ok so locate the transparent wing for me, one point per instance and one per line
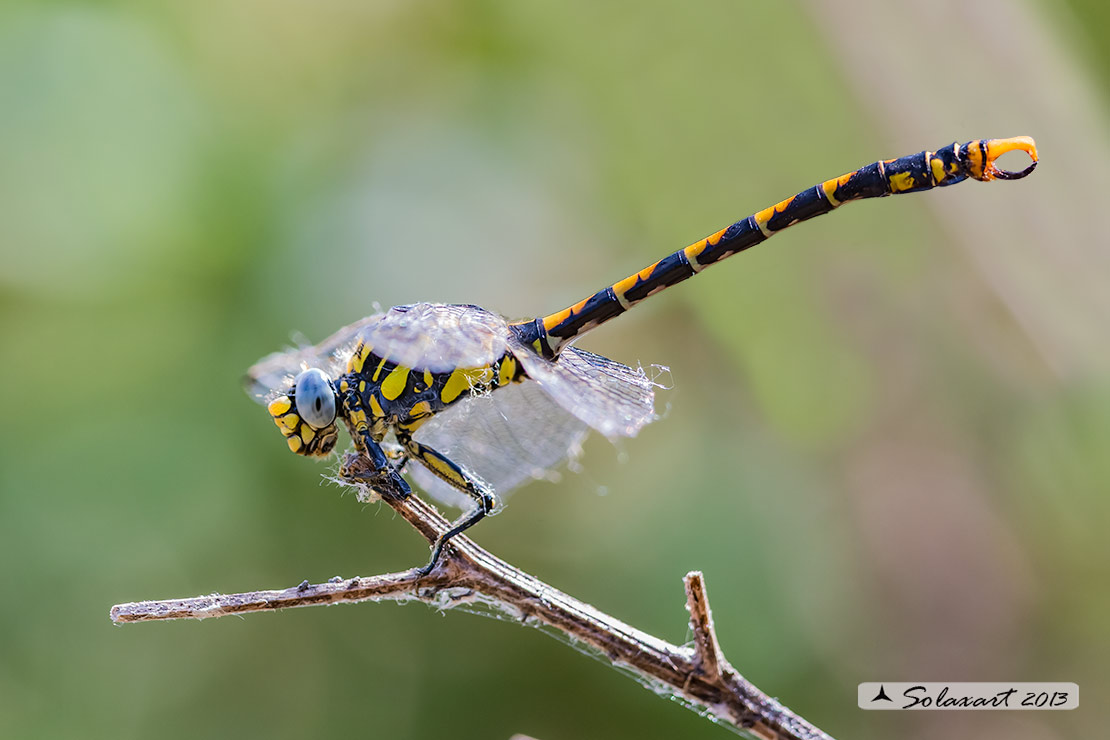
(277, 370)
(612, 398)
(422, 336)
(437, 336)
(507, 438)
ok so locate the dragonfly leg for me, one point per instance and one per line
(397, 455)
(382, 471)
(384, 468)
(455, 475)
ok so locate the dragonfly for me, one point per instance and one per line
(482, 404)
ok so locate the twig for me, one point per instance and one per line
(707, 652)
(468, 574)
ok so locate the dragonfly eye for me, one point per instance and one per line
(315, 398)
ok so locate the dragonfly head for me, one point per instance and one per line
(306, 413)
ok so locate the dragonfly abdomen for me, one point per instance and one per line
(921, 171)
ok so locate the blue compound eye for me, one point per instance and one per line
(315, 398)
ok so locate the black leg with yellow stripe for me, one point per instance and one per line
(383, 471)
(921, 171)
(456, 476)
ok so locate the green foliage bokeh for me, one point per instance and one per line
(888, 457)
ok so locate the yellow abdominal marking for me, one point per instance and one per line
(394, 384)
(507, 371)
(694, 250)
(763, 217)
(463, 380)
(831, 186)
(378, 369)
(632, 281)
(354, 365)
(900, 182)
(975, 160)
(937, 165)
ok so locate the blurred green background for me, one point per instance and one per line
(887, 441)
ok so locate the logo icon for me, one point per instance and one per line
(881, 696)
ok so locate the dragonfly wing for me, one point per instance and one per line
(438, 337)
(612, 398)
(507, 437)
(421, 336)
(277, 370)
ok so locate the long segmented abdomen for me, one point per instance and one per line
(921, 171)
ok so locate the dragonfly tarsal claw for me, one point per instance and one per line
(357, 468)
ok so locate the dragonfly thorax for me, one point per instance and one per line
(389, 394)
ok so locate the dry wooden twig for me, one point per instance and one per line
(467, 574)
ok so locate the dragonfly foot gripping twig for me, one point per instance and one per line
(468, 574)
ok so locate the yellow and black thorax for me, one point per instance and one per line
(382, 394)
